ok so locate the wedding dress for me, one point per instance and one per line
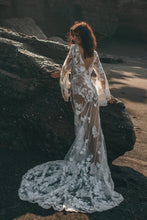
(82, 181)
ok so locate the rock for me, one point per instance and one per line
(26, 26)
(125, 19)
(34, 116)
(107, 58)
(42, 47)
(118, 129)
(58, 39)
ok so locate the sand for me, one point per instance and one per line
(128, 82)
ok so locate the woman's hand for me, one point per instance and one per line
(111, 100)
(56, 74)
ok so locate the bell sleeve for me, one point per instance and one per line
(100, 82)
(64, 76)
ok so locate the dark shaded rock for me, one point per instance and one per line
(111, 59)
(33, 113)
(118, 129)
(131, 15)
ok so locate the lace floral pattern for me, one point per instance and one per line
(82, 181)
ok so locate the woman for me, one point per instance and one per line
(82, 181)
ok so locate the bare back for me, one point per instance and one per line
(87, 61)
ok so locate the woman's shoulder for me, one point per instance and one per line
(72, 45)
(96, 53)
(72, 48)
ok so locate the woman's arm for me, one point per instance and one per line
(101, 83)
(64, 75)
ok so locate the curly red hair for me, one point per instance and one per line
(86, 34)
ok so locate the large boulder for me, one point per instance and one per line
(33, 113)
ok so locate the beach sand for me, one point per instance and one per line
(128, 82)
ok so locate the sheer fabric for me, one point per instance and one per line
(82, 181)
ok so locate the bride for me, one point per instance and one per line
(82, 181)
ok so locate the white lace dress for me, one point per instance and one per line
(82, 181)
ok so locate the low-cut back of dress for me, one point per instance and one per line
(82, 181)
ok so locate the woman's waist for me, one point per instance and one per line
(81, 79)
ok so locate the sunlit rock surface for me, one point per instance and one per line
(24, 25)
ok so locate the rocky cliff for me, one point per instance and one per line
(124, 19)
